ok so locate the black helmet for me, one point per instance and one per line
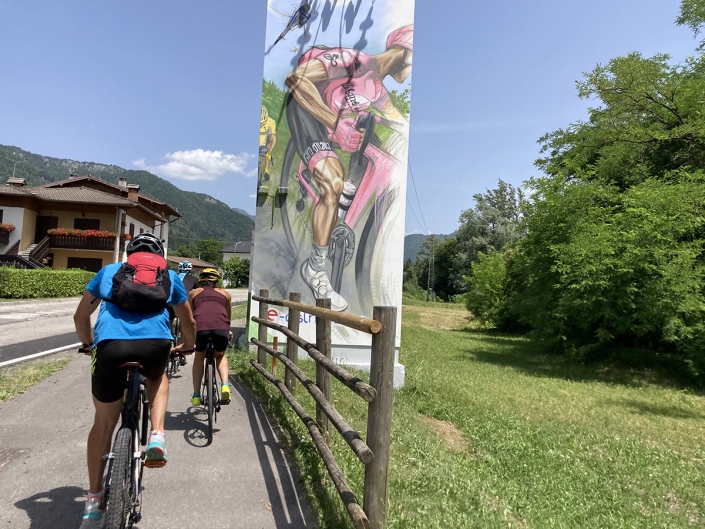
(145, 242)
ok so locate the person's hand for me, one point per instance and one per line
(184, 349)
(346, 135)
(86, 349)
(231, 336)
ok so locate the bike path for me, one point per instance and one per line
(241, 481)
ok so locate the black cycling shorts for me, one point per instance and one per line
(108, 380)
(220, 340)
(307, 133)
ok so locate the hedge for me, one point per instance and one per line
(42, 283)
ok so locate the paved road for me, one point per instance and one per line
(241, 481)
(32, 326)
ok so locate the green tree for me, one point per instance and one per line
(209, 250)
(236, 272)
(184, 250)
(486, 298)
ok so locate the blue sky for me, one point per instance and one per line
(174, 86)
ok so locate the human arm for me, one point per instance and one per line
(188, 328)
(82, 320)
(302, 84)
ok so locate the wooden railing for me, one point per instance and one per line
(374, 453)
(41, 250)
(84, 243)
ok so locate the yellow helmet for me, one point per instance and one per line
(264, 115)
(208, 275)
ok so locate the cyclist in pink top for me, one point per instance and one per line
(329, 88)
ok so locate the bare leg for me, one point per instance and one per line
(328, 175)
(158, 395)
(221, 362)
(197, 371)
(106, 417)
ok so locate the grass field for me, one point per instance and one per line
(18, 379)
(490, 432)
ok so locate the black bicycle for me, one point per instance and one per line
(175, 359)
(123, 482)
(210, 393)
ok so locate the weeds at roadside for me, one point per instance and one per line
(17, 379)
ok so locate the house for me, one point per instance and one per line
(82, 222)
(243, 250)
(198, 265)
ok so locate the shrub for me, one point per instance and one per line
(7, 227)
(486, 296)
(18, 284)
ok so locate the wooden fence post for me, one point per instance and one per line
(322, 374)
(262, 330)
(292, 350)
(379, 417)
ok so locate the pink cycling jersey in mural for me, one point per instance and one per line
(353, 82)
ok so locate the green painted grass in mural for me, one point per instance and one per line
(490, 432)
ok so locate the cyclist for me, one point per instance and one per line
(329, 89)
(121, 336)
(185, 271)
(267, 140)
(189, 281)
(212, 308)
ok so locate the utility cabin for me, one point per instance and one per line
(81, 222)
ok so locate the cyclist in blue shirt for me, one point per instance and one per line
(120, 336)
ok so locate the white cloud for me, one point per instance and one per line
(199, 165)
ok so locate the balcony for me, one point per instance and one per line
(73, 242)
(83, 240)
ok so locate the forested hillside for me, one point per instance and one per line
(203, 215)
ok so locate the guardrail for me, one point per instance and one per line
(374, 452)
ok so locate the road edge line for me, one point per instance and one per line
(37, 355)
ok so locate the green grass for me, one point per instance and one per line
(239, 311)
(15, 380)
(490, 432)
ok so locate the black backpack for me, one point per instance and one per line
(142, 284)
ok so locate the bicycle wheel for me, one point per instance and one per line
(119, 501)
(209, 389)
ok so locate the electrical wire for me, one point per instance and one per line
(417, 198)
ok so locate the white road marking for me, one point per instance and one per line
(37, 355)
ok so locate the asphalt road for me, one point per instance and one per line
(32, 326)
(241, 481)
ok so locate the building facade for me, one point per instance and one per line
(82, 222)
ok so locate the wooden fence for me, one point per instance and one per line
(374, 453)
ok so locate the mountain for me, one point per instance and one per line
(244, 213)
(412, 244)
(202, 215)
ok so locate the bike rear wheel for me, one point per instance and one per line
(119, 498)
(210, 404)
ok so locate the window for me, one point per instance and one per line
(85, 263)
(86, 224)
(141, 231)
(0, 216)
(132, 230)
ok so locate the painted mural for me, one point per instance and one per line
(333, 141)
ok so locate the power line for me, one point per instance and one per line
(413, 180)
(412, 210)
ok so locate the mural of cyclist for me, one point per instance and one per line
(330, 90)
(267, 140)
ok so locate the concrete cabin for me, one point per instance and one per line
(80, 203)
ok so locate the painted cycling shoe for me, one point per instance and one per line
(318, 282)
